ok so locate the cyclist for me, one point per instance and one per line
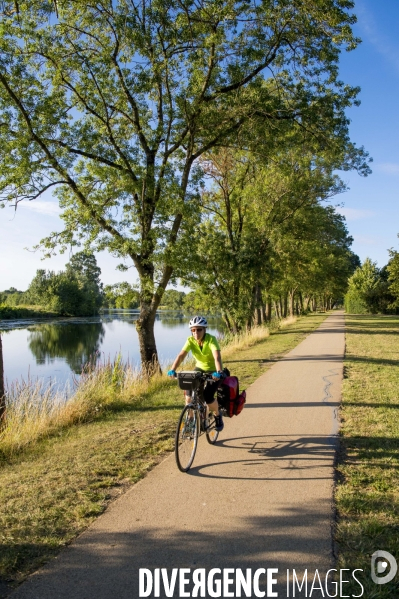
(206, 352)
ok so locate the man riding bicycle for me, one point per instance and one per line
(206, 352)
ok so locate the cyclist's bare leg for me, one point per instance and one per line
(214, 407)
(187, 397)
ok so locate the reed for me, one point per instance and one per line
(35, 410)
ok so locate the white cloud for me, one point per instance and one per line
(354, 213)
(49, 208)
(392, 168)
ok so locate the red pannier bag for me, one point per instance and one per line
(229, 396)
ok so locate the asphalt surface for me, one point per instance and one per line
(260, 499)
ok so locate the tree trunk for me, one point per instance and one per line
(291, 303)
(257, 301)
(145, 331)
(301, 302)
(276, 309)
(264, 313)
(285, 305)
(268, 310)
(226, 321)
(231, 323)
(2, 390)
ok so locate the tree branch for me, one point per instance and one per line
(100, 220)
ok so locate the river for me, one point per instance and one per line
(57, 350)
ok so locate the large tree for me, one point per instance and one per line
(112, 103)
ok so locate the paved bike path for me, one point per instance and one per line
(260, 498)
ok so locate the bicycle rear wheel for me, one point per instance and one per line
(211, 432)
(186, 439)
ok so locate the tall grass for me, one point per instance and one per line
(35, 410)
(232, 343)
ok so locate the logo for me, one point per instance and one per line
(379, 564)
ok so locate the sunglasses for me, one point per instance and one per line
(196, 330)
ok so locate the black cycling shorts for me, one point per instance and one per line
(210, 388)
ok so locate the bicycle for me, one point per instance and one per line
(194, 419)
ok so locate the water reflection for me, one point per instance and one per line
(77, 344)
(57, 350)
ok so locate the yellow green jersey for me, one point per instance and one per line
(203, 356)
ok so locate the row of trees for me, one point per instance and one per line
(125, 108)
(265, 240)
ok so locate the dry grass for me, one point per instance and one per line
(249, 338)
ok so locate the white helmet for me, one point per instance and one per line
(197, 321)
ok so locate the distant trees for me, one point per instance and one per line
(77, 291)
(13, 297)
(121, 295)
(173, 299)
(391, 273)
(372, 289)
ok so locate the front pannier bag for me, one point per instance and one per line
(229, 396)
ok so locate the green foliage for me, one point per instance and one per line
(197, 302)
(372, 290)
(121, 295)
(392, 269)
(264, 229)
(354, 303)
(112, 105)
(83, 268)
(75, 292)
(173, 299)
(11, 312)
(13, 297)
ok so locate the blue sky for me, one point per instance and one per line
(371, 205)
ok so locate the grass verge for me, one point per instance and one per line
(51, 489)
(367, 493)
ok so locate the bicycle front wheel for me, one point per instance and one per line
(211, 432)
(186, 439)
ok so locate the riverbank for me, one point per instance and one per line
(22, 312)
(53, 488)
(367, 493)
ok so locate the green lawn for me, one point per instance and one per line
(53, 489)
(367, 494)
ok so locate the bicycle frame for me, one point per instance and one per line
(194, 420)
